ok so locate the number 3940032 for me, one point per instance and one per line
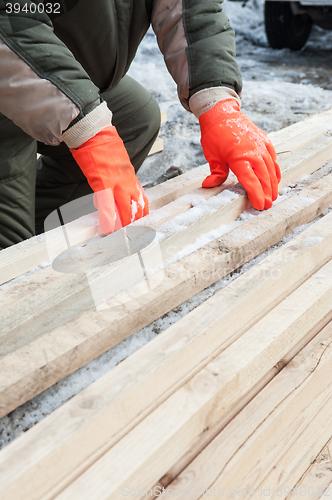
(32, 8)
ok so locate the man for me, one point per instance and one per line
(64, 93)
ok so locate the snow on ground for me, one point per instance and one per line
(280, 88)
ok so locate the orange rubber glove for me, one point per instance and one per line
(105, 163)
(231, 141)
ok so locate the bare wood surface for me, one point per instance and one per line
(316, 124)
(147, 452)
(210, 434)
(157, 367)
(68, 347)
(300, 455)
(250, 447)
(305, 160)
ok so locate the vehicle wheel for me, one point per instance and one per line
(283, 28)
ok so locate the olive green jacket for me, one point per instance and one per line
(54, 66)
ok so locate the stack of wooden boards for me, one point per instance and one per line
(234, 398)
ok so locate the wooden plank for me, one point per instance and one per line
(21, 258)
(210, 434)
(161, 215)
(305, 160)
(147, 452)
(301, 455)
(250, 447)
(294, 166)
(293, 144)
(47, 298)
(112, 406)
(321, 122)
(70, 346)
(163, 117)
(157, 147)
(168, 191)
(317, 480)
(27, 255)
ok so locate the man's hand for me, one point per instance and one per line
(231, 141)
(105, 163)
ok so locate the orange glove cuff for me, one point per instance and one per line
(217, 113)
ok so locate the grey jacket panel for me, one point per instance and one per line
(39, 73)
(211, 46)
(198, 45)
(167, 23)
(36, 105)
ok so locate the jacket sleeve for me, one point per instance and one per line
(198, 45)
(42, 87)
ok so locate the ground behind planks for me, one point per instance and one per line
(175, 397)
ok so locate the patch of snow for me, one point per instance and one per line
(203, 240)
(199, 210)
(141, 201)
(134, 209)
(90, 219)
(315, 240)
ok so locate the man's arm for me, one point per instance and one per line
(198, 45)
(47, 93)
(42, 87)
(199, 49)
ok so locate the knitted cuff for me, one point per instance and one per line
(206, 99)
(99, 118)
